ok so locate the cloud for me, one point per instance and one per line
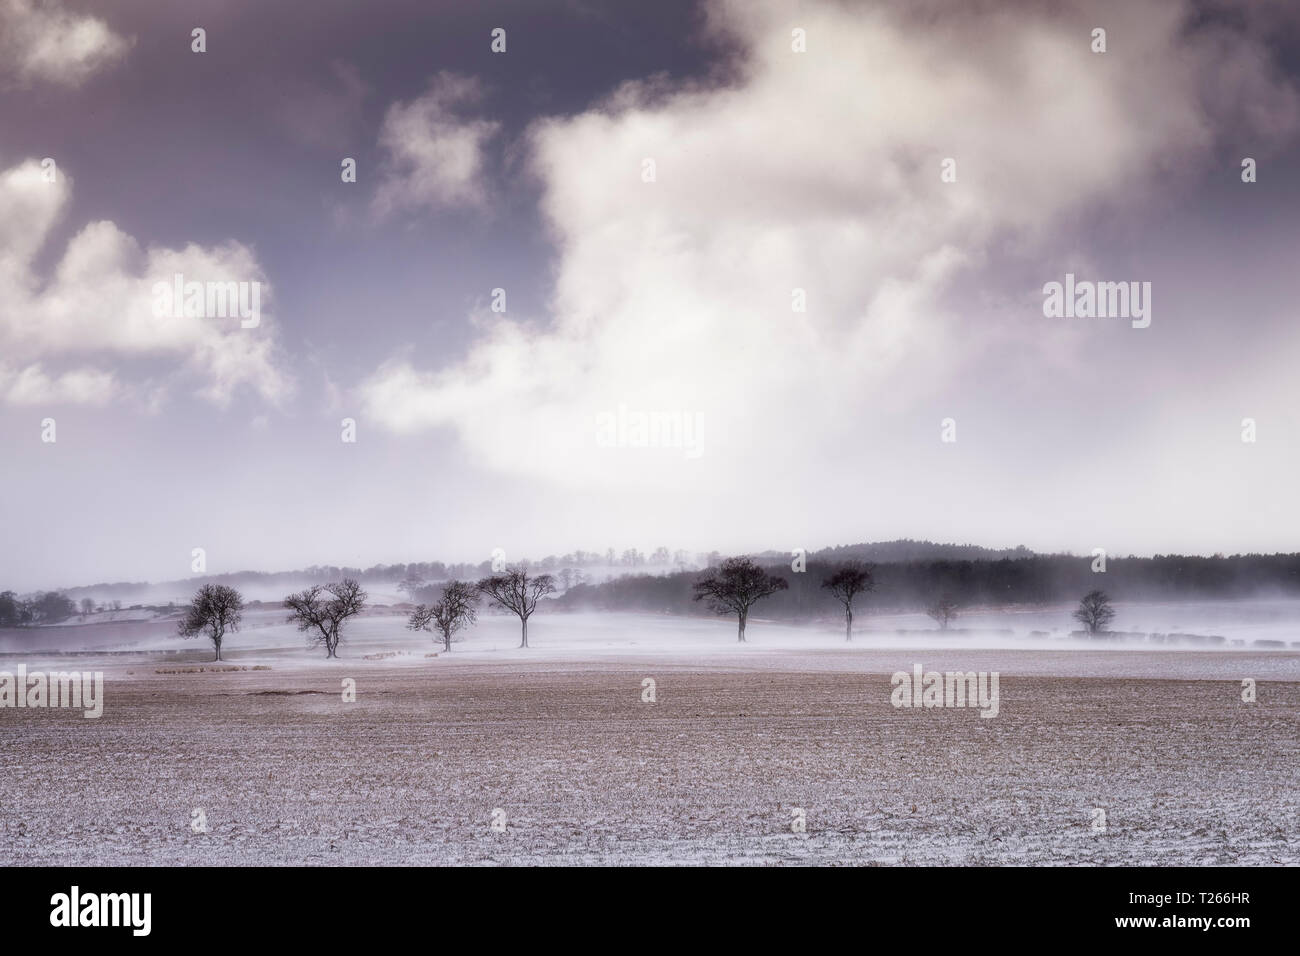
(94, 316)
(43, 41)
(435, 156)
(31, 386)
(820, 171)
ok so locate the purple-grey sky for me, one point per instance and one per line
(656, 188)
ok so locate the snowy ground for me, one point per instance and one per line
(558, 738)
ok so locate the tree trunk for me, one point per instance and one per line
(524, 643)
(741, 635)
(848, 623)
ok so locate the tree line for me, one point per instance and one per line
(322, 611)
(739, 583)
(49, 607)
(422, 574)
(916, 585)
(733, 587)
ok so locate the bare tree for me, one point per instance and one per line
(735, 586)
(322, 619)
(1094, 612)
(87, 606)
(455, 610)
(845, 584)
(943, 610)
(515, 591)
(214, 610)
(571, 578)
(411, 585)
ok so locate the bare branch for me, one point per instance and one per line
(456, 610)
(1095, 612)
(323, 619)
(735, 586)
(847, 582)
(214, 610)
(518, 593)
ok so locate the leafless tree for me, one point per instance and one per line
(571, 578)
(733, 588)
(515, 591)
(848, 581)
(87, 606)
(214, 610)
(410, 585)
(455, 610)
(1094, 612)
(321, 618)
(943, 610)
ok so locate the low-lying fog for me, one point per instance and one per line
(1244, 625)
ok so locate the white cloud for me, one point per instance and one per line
(95, 312)
(31, 386)
(821, 171)
(43, 41)
(435, 156)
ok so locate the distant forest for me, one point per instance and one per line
(914, 585)
(908, 575)
(419, 573)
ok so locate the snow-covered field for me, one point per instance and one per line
(558, 739)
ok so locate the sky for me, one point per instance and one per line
(710, 275)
